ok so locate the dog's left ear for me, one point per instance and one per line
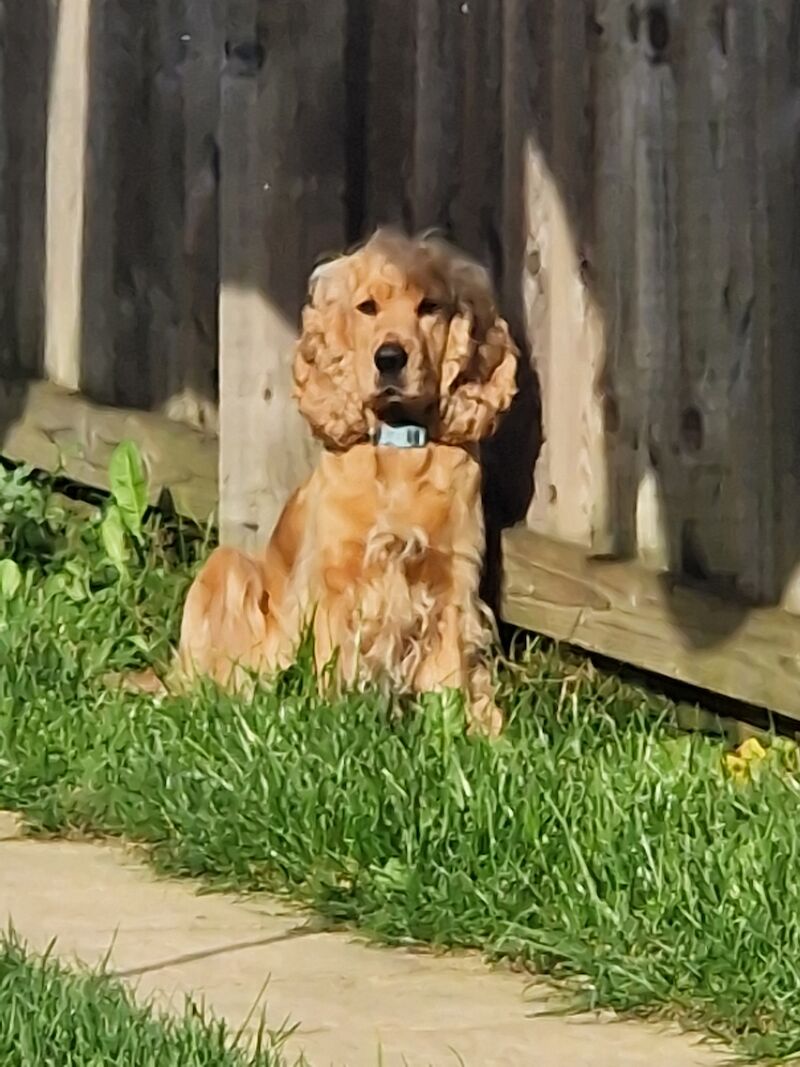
(479, 371)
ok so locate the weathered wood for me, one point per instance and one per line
(778, 277)
(616, 77)
(521, 217)
(719, 506)
(163, 117)
(628, 613)
(477, 208)
(565, 324)
(65, 433)
(652, 281)
(187, 40)
(117, 261)
(26, 70)
(509, 224)
(456, 167)
(139, 252)
(194, 383)
(67, 156)
(283, 167)
(6, 357)
(390, 112)
(437, 130)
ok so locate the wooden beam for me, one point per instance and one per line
(653, 621)
(65, 433)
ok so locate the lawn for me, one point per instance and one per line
(595, 842)
(52, 1015)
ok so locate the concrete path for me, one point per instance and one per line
(350, 1001)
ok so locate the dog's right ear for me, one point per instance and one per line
(322, 367)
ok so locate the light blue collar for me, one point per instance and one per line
(400, 436)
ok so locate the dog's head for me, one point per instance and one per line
(404, 330)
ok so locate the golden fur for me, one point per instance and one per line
(381, 546)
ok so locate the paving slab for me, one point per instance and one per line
(354, 1005)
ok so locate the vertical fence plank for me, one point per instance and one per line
(720, 507)
(26, 36)
(66, 181)
(575, 489)
(616, 87)
(779, 156)
(548, 162)
(476, 211)
(6, 354)
(526, 135)
(163, 193)
(245, 318)
(390, 112)
(192, 388)
(185, 57)
(652, 281)
(439, 86)
(283, 166)
(116, 269)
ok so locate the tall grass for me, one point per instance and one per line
(52, 1015)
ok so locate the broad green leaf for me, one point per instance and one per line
(10, 578)
(112, 531)
(128, 481)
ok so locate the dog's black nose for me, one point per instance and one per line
(390, 359)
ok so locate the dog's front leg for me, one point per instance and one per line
(443, 666)
(333, 644)
(453, 663)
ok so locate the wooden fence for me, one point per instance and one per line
(170, 170)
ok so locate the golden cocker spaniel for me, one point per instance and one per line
(402, 367)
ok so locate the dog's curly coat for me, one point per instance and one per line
(381, 546)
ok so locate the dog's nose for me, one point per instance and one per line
(390, 359)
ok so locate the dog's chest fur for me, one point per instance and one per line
(394, 520)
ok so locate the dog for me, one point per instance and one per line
(402, 367)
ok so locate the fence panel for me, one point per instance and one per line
(661, 323)
(628, 171)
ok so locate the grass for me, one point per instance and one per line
(594, 842)
(52, 1015)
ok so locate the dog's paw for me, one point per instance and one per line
(136, 682)
(485, 718)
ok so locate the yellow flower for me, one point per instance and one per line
(736, 767)
(742, 761)
(751, 750)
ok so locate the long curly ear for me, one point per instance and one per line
(479, 371)
(323, 363)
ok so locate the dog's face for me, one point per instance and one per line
(403, 331)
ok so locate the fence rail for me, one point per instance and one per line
(170, 171)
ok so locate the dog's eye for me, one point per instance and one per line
(367, 307)
(428, 307)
